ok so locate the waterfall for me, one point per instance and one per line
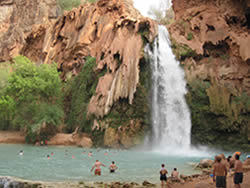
(171, 122)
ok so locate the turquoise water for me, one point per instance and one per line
(133, 165)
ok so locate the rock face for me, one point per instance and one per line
(108, 30)
(114, 33)
(18, 18)
(212, 41)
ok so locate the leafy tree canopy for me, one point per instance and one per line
(33, 97)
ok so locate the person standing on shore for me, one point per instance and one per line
(220, 172)
(163, 176)
(97, 165)
(238, 172)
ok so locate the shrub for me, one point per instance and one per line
(189, 36)
(78, 93)
(68, 4)
(33, 94)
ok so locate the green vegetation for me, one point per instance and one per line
(182, 51)
(78, 92)
(215, 128)
(32, 99)
(121, 112)
(189, 36)
(70, 4)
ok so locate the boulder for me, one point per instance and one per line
(205, 163)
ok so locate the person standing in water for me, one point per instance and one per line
(238, 171)
(21, 152)
(112, 167)
(163, 176)
(97, 167)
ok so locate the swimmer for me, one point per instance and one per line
(90, 154)
(21, 152)
(52, 153)
(73, 156)
(112, 167)
(48, 156)
(97, 165)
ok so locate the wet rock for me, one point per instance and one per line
(205, 163)
(147, 183)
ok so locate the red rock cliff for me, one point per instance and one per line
(18, 18)
(109, 30)
(217, 33)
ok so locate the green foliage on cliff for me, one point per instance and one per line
(32, 98)
(78, 93)
(182, 51)
(70, 4)
(213, 127)
(122, 112)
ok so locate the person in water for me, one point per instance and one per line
(97, 167)
(163, 176)
(220, 172)
(21, 152)
(90, 154)
(238, 171)
(112, 167)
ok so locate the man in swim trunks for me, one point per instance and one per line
(112, 167)
(97, 165)
(238, 171)
(163, 176)
(220, 172)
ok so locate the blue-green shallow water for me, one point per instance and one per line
(134, 166)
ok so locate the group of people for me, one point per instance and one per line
(163, 175)
(98, 164)
(222, 166)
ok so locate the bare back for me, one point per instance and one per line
(220, 169)
(238, 166)
(175, 174)
(98, 165)
(163, 171)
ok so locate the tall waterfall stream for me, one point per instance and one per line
(170, 114)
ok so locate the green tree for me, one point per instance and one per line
(36, 93)
(78, 93)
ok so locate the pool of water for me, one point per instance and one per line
(75, 165)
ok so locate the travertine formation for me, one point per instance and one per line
(218, 32)
(111, 31)
(17, 20)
